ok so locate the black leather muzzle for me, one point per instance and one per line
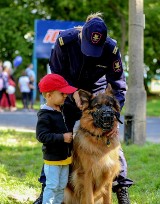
(104, 117)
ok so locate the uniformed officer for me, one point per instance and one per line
(83, 55)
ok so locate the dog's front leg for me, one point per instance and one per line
(87, 195)
(107, 196)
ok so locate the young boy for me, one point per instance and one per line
(52, 131)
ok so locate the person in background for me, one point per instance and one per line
(11, 88)
(83, 55)
(52, 131)
(11, 91)
(30, 73)
(1, 83)
(4, 93)
(23, 84)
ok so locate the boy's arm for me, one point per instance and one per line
(44, 134)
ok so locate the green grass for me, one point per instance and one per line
(21, 161)
(153, 106)
(143, 168)
(20, 165)
(20, 106)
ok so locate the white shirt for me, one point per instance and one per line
(30, 73)
(24, 84)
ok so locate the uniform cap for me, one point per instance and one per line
(94, 35)
(55, 82)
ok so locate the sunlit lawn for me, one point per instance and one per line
(153, 106)
(21, 161)
(20, 106)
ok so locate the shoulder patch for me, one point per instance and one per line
(112, 45)
(117, 66)
(61, 41)
(115, 50)
(68, 36)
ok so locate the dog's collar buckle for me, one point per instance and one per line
(108, 143)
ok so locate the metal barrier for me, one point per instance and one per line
(128, 129)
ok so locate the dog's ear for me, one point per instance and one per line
(109, 90)
(85, 97)
(116, 105)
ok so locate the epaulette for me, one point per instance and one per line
(68, 36)
(112, 45)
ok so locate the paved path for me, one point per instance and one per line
(20, 120)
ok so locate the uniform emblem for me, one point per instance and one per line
(96, 37)
(115, 50)
(117, 66)
(61, 41)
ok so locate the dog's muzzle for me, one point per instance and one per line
(104, 117)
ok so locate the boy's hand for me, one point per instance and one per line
(68, 137)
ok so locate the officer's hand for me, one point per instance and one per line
(115, 130)
(68, 137)
(77, 100)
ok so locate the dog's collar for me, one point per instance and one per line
(92, 134)
(98, 136)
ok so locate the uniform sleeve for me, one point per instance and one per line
(59, 61)
(44, 134)
(116, 76)
(56, 59)
(99, 86)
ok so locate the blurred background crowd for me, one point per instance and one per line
(8, 85)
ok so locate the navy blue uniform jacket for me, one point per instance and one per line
(83, 71)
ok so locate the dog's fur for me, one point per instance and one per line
(95, 164)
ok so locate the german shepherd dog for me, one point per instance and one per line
(95, 150)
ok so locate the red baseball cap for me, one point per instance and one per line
(55, 82)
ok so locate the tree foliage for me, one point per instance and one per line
(151, 40)
(17, 25)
